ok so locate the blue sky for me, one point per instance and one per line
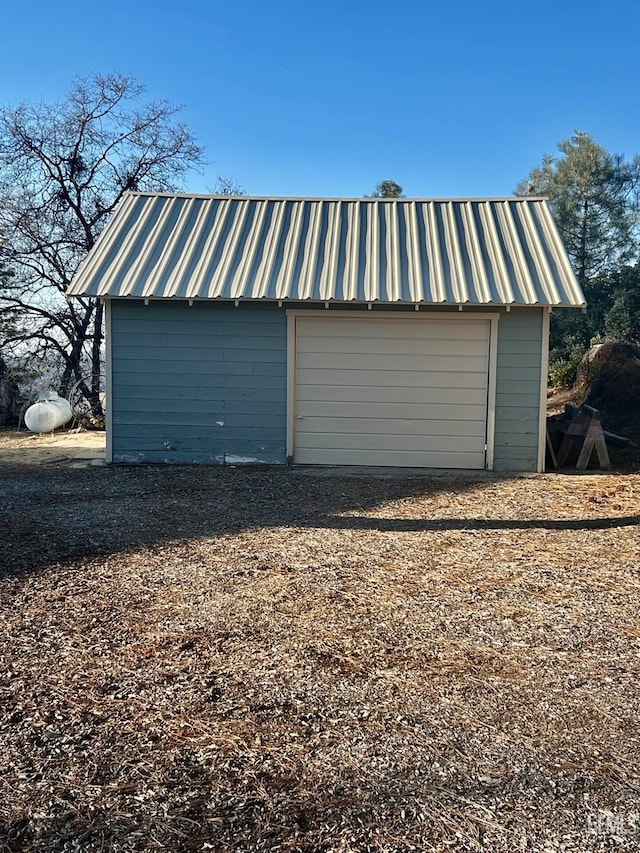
(326, 98)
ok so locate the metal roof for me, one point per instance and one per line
(456, 251)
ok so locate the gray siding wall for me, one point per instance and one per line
(206, 383)
(518, 390)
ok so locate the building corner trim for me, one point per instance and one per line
(544, 372)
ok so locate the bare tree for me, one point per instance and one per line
(227, 186)
(63, 169)
(9, 392)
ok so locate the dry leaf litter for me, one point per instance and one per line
(282, 660)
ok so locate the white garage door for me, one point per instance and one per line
(386, 391)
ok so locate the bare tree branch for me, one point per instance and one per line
(63, 169)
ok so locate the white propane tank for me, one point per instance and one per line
(47, 413)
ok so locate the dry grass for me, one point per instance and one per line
(29, 448)
(209, 659)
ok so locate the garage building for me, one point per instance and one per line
(394, 332)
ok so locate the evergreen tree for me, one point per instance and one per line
(594, 199)
(387, 189)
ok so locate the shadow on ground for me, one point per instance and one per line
(53, 515)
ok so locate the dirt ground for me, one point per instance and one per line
(64, 445)
(273, 660)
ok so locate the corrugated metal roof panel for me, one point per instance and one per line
(457, 251)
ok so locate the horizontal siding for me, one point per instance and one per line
(400, 458)
(189, 350)
(201, 452)
(248, 440)
(523, 347)
(440, 329)
(514, 387)
(149, 395)
(514, 455)
(231, 408)
(383, 411)
(388, 392)
(403, 363)
(389, 379)
(209, 361)
(208, 383)
(389, 348)
(367, 426)
(392, 394)
(194, 439)
(434, 443)
(193, 329)
(518, 390)
(199, 373)
(520, 401)
(201, 335)
(216, 423)
(198, 384)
